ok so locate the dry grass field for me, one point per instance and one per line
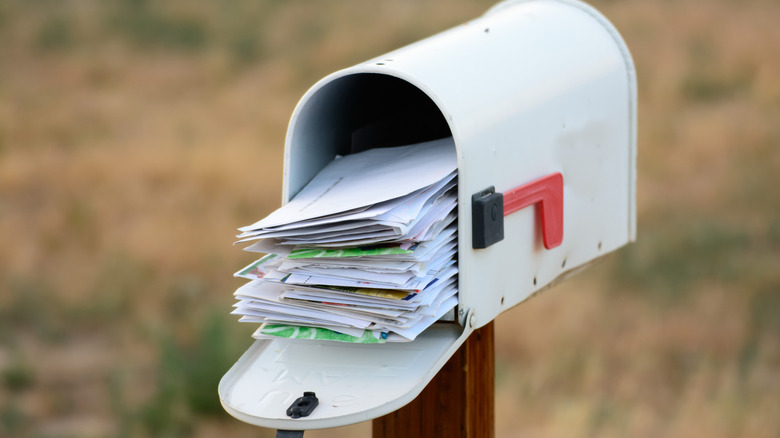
(135, 136)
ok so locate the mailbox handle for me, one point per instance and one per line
(547, 193)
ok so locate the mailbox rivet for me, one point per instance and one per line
(472, 320)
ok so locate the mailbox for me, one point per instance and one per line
(540, 100)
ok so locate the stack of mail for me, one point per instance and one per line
(364, 253)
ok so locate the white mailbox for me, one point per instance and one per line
(540, 99)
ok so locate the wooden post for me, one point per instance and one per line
(459, 402)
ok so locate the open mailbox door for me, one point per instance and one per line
(353, 382)
(540, 99)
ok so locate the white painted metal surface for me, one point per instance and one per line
(531, 88)
(528, 89)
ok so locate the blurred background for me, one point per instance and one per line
(136, 136)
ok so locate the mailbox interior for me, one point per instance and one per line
(354, 113)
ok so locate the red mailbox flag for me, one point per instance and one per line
(547, 193)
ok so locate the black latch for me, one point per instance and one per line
(487, 218)
(303, 406)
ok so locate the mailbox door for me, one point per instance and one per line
(353, 383)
